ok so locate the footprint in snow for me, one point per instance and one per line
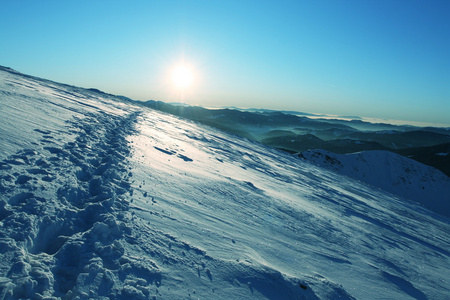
(185, 158)
(21, 179)
(168, 152)
(171, 152)
(43, 131)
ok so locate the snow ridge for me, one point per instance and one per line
(391, 172)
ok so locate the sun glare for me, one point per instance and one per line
(182, 76)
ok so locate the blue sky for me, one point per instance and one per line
(375, 58)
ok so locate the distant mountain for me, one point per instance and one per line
(298, 143)
(236, 118)
(403, 140)
(391, 172)
(289, 112)
(435, 156)
(368, 126)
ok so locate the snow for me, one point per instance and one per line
(391, 172)
(442, 153)
(102, 198)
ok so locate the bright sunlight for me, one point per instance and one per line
(182, 76)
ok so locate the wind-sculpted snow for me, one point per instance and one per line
(105, 199)
(391, 172)
(256, 205)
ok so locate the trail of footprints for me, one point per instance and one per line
(63, 214)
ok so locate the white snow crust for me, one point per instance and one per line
(104, 199)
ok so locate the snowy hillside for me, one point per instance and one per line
(391, 172)
(106, 199)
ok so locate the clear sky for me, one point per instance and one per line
(373, 58)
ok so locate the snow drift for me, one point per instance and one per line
(101, 198)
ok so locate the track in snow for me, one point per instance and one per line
(71, 241)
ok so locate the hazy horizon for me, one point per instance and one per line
(375, 59)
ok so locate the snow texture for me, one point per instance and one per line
(391, 172)
(105, 199)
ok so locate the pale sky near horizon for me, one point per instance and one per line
(375, 58)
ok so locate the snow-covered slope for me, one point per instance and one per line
(106, 199)
(391, 172)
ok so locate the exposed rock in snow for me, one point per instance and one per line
(105, 199)
(391, 172)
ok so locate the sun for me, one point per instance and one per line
(182, 76)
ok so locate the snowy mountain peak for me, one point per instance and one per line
(102, 198)
(391, 172)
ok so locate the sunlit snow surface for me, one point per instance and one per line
(391, 172)
(101, 198)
